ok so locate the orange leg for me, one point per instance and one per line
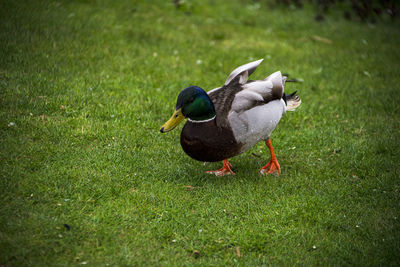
(273, 165)
(225, 170)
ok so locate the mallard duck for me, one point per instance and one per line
(231, 119)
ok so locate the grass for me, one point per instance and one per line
(86, 178)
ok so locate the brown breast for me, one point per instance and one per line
(208, 142)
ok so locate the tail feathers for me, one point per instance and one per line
(292, 101)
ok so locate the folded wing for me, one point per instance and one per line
(259, 92)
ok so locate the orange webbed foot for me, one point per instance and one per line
(225, 170)
(273, 165)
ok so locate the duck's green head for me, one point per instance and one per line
(193, 103)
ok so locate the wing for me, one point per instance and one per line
(257, 93)
(243, 72)
(223, 97)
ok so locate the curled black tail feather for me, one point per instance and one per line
(292, 101)
(286, 97)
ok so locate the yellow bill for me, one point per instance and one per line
(175, 119)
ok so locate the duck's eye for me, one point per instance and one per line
(176, 116)
(191, 100)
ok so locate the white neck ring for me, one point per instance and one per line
(194, 121)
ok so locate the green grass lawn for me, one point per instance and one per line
(86, 177)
